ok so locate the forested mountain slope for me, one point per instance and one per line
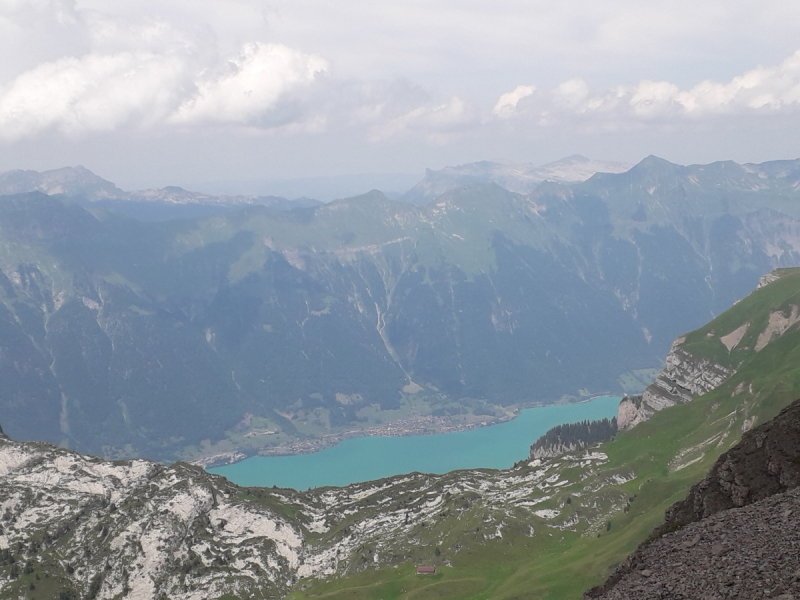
(549, 527)
(126, 338)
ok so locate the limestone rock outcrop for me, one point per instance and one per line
(765, 280)
(682, 377)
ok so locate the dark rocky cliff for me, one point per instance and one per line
(764, 463)
(736, 534)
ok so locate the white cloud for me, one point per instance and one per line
(506, 105)
(115, 71)
(572, 95)
(771, 90)
(764, 88)
(369, 73)
(105, 92)
(654, 98)
(257, 80)
(92, 93)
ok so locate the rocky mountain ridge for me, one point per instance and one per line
(686, 376)
(128, 337)
(69, 181)
(519, 178)
(749, 552)
(170, 202)
(139, 529)
(736, 534)
(682, 378)
(764, 463)
(80, 182)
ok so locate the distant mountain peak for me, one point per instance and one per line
(654, 161)
(370, 196)
(521, 178)
(72, 181)
(80, 183)
(571, 159)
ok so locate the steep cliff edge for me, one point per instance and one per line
(735, 533)
(703, 360)
(683, 376)
(764, 463)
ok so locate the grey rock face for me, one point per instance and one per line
(767, 279)
(141, 530)
(738, 530)
(765, 462)
(682, 377)
(748, 552)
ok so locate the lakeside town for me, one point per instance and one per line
(411, 426)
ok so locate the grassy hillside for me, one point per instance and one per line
(667, 454)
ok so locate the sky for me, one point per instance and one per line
(212, 93)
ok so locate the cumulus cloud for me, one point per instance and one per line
(506, 105)
(91, 93)
(147, 72)
(106, 92)
(136, 71)
(764, 90)
(761, 90)
(258, 80)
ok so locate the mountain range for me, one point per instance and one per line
(78, 526)
(248, 330)
(521, 178)
(171, 202)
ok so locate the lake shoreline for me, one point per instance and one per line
(416, 426)
(442, 451)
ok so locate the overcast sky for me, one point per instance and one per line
(188, 92)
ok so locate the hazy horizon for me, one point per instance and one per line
(149, 95)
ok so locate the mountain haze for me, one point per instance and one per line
(171, 202)
(261, 327)
(520, 178)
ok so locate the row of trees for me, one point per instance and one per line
(576, 435)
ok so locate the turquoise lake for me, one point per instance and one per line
(368, 458)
